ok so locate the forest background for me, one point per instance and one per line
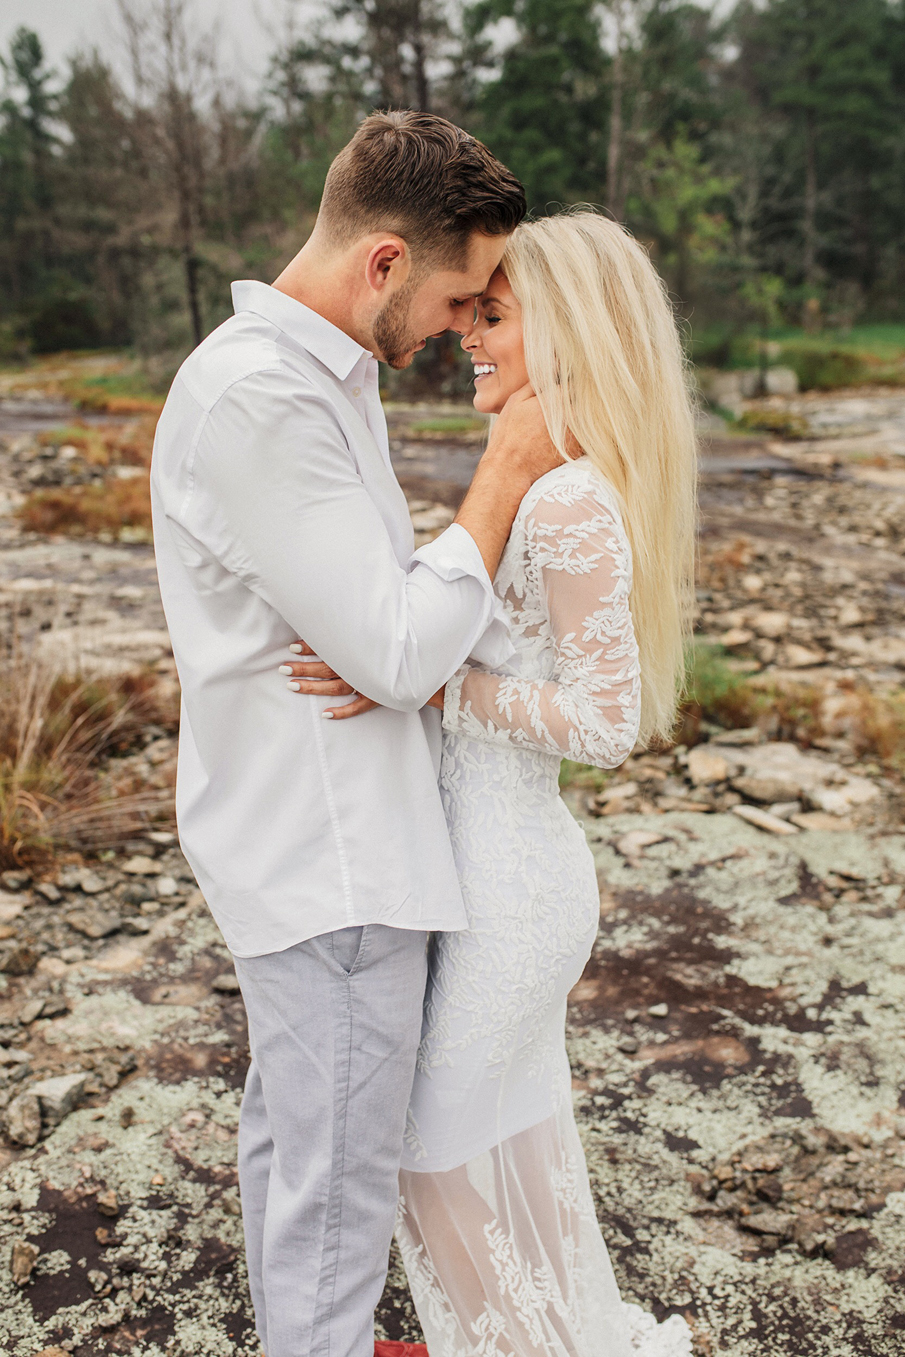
(758, 151)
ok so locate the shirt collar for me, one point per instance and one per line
(325, 341)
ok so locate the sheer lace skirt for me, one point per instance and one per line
(497, 1227)
(505, 1258)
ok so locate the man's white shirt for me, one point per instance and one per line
(277, 515)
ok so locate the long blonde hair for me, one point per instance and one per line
(605, 358)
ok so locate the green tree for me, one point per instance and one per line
(544, 110)
(681, 207)
(824, 66)
(27, 145)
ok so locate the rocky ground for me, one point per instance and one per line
(736, 1040)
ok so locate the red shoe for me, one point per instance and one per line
(386, 1348)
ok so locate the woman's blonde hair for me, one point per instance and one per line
(605, 358)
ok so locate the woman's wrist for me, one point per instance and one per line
(438, 698)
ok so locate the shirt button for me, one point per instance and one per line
(356, 390)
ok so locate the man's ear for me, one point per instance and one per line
(388, 263)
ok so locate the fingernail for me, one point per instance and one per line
(296, 649)
(296, 687)
(285, 669)
(327, 715)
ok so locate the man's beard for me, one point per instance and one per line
(392, 337)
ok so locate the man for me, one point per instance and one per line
(321, 846)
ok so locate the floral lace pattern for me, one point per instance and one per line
(496, 1223)
(565, 579)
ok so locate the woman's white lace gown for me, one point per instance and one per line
(497, 1226)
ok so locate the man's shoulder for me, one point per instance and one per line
(247, 359)
(240, 348)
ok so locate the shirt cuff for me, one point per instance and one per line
(454, 555)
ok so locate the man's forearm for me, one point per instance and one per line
(489, 508)
(520, 450)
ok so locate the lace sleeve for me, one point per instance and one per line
(589, 710)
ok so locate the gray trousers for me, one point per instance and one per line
(334, 1025)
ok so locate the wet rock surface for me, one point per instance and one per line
(736, 1040)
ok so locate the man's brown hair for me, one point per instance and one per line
(424, 179)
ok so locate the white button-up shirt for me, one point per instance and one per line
(277, 515)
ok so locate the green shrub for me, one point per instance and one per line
(778, 422)
(825, 369)
(582, 775)
(64, 324)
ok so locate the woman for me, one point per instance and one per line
(497, 1227)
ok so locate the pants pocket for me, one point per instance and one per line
(345, 945)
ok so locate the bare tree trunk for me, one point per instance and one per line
(615, 194)
(192, 264)
(810, 200)
(168, 69)
(422, 88)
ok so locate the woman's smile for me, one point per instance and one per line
(496, 346)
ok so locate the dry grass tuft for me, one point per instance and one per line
(55, 735)
(872, 723)
(118, 510)
(718, 568)
(114, 394)
(127, 444)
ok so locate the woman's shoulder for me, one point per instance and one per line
(574, 484)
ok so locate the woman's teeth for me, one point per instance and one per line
(483, 370)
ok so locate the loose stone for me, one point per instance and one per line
(22, 1261)
(633, 843)
(19, 959)
(107, 1203)
(142, 866)
(91, 883)
(705, 766)
(135, 892)
(94, 923)
(769, 1223)
(136, 927)
(59, 1096)
(764, 820)
(15, 881)
(23, 1120)
(30, 1011)
(226, 983)
(97, 1280)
